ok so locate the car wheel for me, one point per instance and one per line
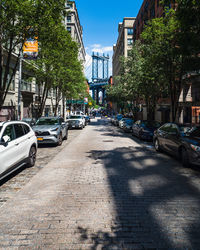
(185, 158)
(157, 145)
(59, 140)
(140, 136)
(32, 157)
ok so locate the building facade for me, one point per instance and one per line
(123, 45)
(74, 27)
(30, 91)
(189, 99)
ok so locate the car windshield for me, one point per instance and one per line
(129, 122)
(194, 131)
(47, 121)
(75, 117)
(151, 124)
(26, 119)
(184, 129)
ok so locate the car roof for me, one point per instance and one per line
(50, 117)
(11, 122)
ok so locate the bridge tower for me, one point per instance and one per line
(100, 76)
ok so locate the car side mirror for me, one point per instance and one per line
(5, 140)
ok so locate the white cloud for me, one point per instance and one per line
(102, 49)
(96, 46)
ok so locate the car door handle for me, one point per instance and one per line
(17, 143)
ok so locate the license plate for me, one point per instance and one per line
(73, 126)
(40, 139)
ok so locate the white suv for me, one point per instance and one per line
(18, 146)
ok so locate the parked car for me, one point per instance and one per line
(128, 125)
(179, 140)
(117, 119)
(144, 129)
(87, 119)
(51, 130)
(18, 146)
(78, 113)
(112, 119)
(76, 121)
(122, 122)
(30, 121)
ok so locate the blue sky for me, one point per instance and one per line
(100, 19)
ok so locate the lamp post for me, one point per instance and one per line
(19, 88)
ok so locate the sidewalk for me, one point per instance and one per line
(104, 191)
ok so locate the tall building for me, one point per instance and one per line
(149, 10)
(73, 25)
(123, 45)
(189, 99)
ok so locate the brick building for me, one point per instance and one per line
(189, 100)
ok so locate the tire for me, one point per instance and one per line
(157, 145)
(59, 143)
(185, 158)
(140, 136)
(32, 157)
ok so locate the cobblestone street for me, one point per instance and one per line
(20, 178)
(104, 190)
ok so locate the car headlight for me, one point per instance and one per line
(55, 129)
(195, 148)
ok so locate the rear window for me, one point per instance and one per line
(195, 132)
(151, 124)
(26, 129)
(47, 121)
(19, 132)
(75, 117)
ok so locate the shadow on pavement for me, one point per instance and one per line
(157, 207)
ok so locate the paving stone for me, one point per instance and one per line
(105, 190)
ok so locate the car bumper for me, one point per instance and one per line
(47, 139)
(74, 126)
(147, 136)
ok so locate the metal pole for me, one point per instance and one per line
(19, 87)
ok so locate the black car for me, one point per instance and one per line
(179, 140)
(30, 121)
(144, 129)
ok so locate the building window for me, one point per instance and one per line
(69, 5)
(130, 41)
(69, 19)
(130, 31)
(69, 29)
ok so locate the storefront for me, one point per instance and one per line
(196, 115)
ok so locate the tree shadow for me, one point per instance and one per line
(156, 205)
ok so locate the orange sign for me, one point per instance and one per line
(30, 48)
